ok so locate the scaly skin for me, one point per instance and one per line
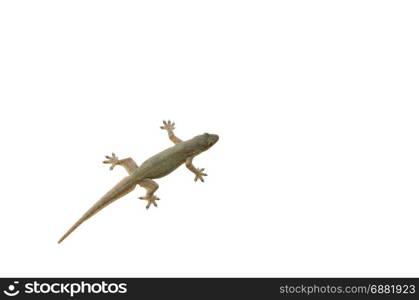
(155, 167)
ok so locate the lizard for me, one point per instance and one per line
(155, 167)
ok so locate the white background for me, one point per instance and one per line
(316, 103)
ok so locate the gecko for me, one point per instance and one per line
(155, 167)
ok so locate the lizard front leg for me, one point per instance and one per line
(199, 173)
(170, 126)
(128, 163)
(151, 187)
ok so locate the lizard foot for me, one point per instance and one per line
(169, 125)
(113, 160)
(151, 200)
(199, 174)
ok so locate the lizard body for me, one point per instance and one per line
(155, 167)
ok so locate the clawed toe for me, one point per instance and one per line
(113, 160)
(199, 174)
(150, 200)
(169, 125)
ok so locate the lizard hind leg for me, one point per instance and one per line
(151, 187)
(128, 163)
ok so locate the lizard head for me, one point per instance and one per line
(204, 141)
(211, 139)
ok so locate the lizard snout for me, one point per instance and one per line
(213, 138)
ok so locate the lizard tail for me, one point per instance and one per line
(125, 186)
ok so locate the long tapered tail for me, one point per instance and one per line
(125, 186)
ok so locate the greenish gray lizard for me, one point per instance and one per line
(156, 166)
